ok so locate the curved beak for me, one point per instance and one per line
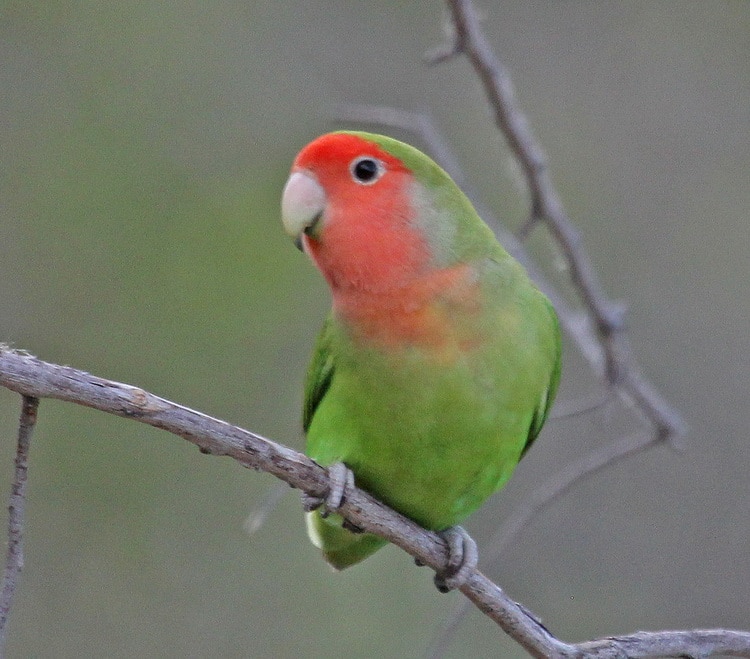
(302, 204)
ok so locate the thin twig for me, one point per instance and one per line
(545, 201)
(598, 333)
(16, 506)
(580, 406)
(32, 377)
(608, 317)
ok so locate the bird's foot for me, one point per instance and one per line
(462, 559)
(340, 478)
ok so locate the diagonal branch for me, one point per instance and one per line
(608, 317)
(33, 378)
(30, 376)
(546, 204)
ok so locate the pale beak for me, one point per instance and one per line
(302, 204)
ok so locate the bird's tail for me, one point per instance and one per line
(341, 548)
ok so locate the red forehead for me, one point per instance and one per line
(341, 148)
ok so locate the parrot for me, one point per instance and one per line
(439, 361)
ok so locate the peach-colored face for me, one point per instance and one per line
(348, 203)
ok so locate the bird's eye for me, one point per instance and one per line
(366, 170)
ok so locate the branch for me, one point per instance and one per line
(546, 206)
(33, 378)
(598, 332)
(545, 201)
(30, 376)
(17, 503)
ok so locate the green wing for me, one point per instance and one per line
(545, 404)
(319, 374)
(340, 547)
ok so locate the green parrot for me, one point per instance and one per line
(439, 361)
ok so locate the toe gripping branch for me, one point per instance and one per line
(341, 479)
(462, 559)
(461, 548)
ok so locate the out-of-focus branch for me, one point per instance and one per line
(33, 379)
(546, 206)
(16, 507)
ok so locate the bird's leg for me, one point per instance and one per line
(341, 478)
(462, 559)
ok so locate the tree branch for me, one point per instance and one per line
(16, 507)
(33, 379)
(30, 376)
(598, 332)
(608, 317)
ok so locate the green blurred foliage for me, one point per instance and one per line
(144, 147)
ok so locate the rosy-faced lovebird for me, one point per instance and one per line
(438, 363)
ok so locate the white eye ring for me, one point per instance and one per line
(366, 170)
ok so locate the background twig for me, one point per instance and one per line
(16, 507)
(546, 205)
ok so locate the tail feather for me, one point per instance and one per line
(341, 548)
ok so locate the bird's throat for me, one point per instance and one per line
(419, 314)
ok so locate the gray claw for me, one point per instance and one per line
(341, 478)
(462, 559)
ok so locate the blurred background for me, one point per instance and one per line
(143, 150)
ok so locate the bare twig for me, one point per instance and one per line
(578, 407)
(16, 505)
(545, 202)
(693, 643)
(32, 377)
(546, 205)
(598, 332)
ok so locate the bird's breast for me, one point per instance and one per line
(437, 313)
